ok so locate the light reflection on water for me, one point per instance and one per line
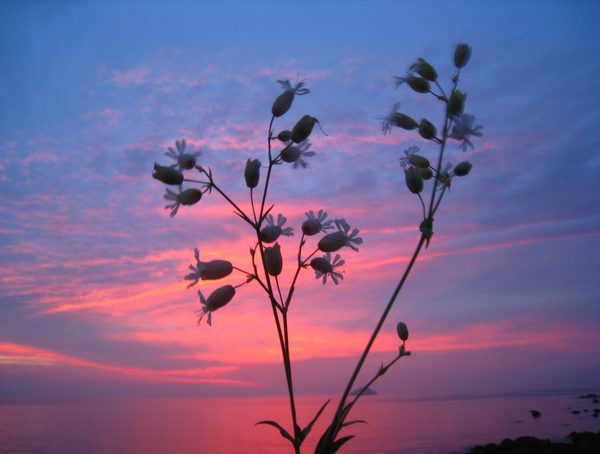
(226, 425)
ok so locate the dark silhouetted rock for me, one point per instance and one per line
(580, 443)
(368, 392)
(535, 413)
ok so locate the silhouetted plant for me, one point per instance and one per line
(291, 146)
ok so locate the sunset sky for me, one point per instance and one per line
(92, 301)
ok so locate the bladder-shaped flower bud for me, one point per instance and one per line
(321, 264)
(456, 103)
(418, 161)
(213, 270)
(316, 223)
(345, 236)
(188, 197)
(414, 179)
(403, 121)
(427, 130)
(270, 233)
(252, 173)
(325, 267)
(168, 175)
(283, 103)
(425, 70)
(333, 241)
(217, 299)
(303, 128)
(285, 135)
(290, 154)
(402, 331)
(216, 269)
(273, 260)
(462, 54)
(427, 174)
(418, 84)
(462, 168)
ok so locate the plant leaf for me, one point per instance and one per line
(284, 433)
(356, 421)
(340, 442)
(309, 426)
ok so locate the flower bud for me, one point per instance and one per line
(404, 121)
(311, 227)
(252, 173)
(168, 175)
(425, 70)
(418, 161)
(270, 233)
(414, 179)
(427, 130)
(216, 269)
(220, 297)
(189, 196)
(290, 154)
(285, 135)
(321, 264)
(283, 103)
(333, 241)
(462, 168)
(303, 128)
(456, 103)
(427, 174)
(462, 54)
(273, 260)
(418, 84)
(402, 331)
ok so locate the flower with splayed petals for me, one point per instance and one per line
(395, 118)
(343, 237)
(212, 270)
(324, 267)
(217, 299)
(316, 223)
(274, 230)
(184, 160)
(188, 197)
(296, 154)
(412, 158)
(284, 101)
(464, 126)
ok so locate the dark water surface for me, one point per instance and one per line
(226, 425)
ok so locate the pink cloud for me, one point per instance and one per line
(131, 76)
(23, 355)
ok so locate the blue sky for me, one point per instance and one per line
(93, 93)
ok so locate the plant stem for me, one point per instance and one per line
(377, 329)
(282, 332)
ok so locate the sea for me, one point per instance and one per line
(450, 424)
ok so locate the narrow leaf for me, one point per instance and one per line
(340, 442)
(356, 421)
(308, 428)
(284, 433)
(267, 213)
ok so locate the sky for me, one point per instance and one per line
(92, 300)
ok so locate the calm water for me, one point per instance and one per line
(226, 425)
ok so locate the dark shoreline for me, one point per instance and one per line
(579, 443)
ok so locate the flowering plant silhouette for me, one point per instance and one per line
(331, 235)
